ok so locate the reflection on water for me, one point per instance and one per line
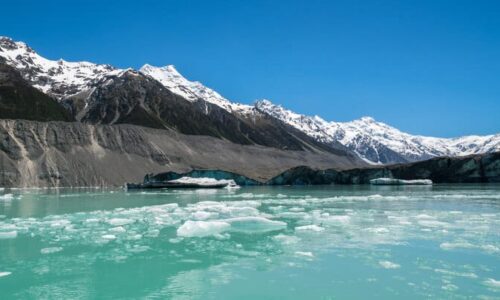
(293, 242)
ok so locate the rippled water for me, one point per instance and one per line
(253, 243)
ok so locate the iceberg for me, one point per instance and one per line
(8, 235)
(394, 181)
(202, 228)
(185, 182)
(204, 181)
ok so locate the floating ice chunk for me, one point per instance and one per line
(118, 229)
(449, 246)
(120, 221)
(337, 219)
(254, 224)
(7, 197)
(251, 203)
(306, 254)
(449, 287)
(109, 236)
(8, 235)
(3, 274)
(203, 215)
(138, 249)
(240, 211)
(202, 228)
(378, 230)
(134, 237)
(393, 181)
(286, 239)
(8, 227)
(466, 245)
(313, 227)
(456, 274)
(50, 250)
(388, 264)
(432, 223)
(60, 223)
(204, 181)
(292, 215)
(492, 283)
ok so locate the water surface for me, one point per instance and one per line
(329, 242)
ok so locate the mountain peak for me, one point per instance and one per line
(368, 119)
(169, 77)
(57, 78)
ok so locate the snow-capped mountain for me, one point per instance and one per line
(191, 90)
(380, 143)
(58, 78)
(106, 95)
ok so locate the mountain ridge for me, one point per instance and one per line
(96, 94)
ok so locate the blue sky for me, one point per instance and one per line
(426, 67)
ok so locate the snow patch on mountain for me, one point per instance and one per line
(169, 77)
(57, 78)
(378, 142)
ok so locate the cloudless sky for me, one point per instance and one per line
(425, 67)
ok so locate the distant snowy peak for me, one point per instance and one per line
(380, 143)
(315, 126)
(58, 78)
(190, 90)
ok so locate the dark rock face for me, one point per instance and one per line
(481, 168)
(19, 100)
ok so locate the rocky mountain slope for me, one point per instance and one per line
(19, 100)
(380, 143)
(154, 97)
(160, 97)
(76, 154)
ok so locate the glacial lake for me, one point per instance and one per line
(322, 242)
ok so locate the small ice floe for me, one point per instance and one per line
(304, 254)
(466, 245)
(7, 197)
(388, 264)
(119, 221)
(394, 181)
(205, 182)
(455, 273)
(8, 234)
(202, 228)
(118, 229)
(313, 227)
(286, 239)
(3, 274)
(255, 224)
(138, 249)
(50, 250)
(109, 236)
(492, 283)
(449, 287)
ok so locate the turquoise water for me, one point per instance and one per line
(337, 242)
